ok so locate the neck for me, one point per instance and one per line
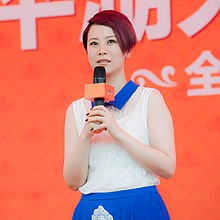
(117, 82)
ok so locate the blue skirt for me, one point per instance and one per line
(143, 203)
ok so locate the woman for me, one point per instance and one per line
(118, 169)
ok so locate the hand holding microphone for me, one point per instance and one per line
(99, 91)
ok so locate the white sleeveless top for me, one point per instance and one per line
(111, 168)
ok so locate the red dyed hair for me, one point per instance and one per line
(120, 25)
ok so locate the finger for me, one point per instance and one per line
(100, 127)
(94, 126)
(87, 113)
(98, 112)
(100, 107)
(95, 119)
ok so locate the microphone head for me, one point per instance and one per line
(99, 75)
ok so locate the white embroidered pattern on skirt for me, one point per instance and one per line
(101, 214)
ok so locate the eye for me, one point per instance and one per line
(112, 41)
(93, 43)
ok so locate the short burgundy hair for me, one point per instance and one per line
(119, 23)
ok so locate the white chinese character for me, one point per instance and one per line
(210, 75)
(139, 17)
(201, 18)
(5, 2)
(28, 11)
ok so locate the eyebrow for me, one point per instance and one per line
(96, 38)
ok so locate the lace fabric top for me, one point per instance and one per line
(111, 168)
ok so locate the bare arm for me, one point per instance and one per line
(160, 158)
(76, 152)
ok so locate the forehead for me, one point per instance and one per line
(100, 31)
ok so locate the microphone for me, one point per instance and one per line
(99, 77)
(99, 91)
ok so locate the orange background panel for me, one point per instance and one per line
(37, 86)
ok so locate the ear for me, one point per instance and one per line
(128, 54)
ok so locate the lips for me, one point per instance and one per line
(103, 61)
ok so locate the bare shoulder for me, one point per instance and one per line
(70, 108)
(156, 97)
(157, 105)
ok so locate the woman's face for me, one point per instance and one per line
(104, 50)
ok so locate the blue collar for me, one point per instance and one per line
(123, 95)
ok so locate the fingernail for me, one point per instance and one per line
(105, 129)
(87, 119)
(87, 114)
(91, 129)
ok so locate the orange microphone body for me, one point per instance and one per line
(99, 92)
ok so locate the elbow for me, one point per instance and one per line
(170, 171)
(71, 185)
(169, 174)
(72, 181)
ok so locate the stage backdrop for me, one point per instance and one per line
(43, 68)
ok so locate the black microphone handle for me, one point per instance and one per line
(98, 101)
(99, 77)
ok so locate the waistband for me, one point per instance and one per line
(120, 194)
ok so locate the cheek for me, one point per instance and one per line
(118, 58)
(91, 60)
(91, 54)
(90, 57)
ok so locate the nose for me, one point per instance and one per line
(102, 52)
